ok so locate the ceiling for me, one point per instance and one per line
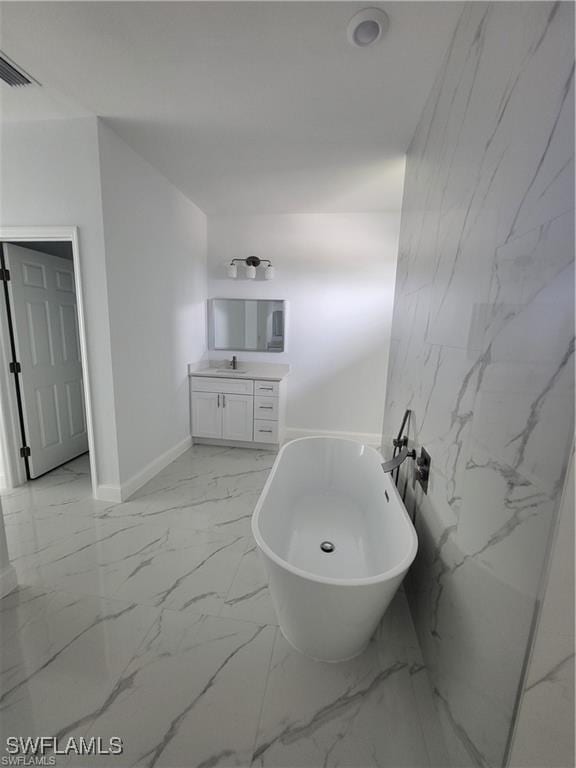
(245, 106)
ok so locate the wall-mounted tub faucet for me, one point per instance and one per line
(405, 453)
(401, 453)
(234, 363)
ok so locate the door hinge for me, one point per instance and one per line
(15, 368)
(4, 275)
(25, 452)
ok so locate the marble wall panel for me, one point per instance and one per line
(483, 353)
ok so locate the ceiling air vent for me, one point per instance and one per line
(11, 74)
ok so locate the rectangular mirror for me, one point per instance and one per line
(251, 325)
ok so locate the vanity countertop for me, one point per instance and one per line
(246, 370)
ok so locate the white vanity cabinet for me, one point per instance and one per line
(206, 414)
(237, 417)
(236, 410)
(222, 415)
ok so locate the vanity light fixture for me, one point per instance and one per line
(251, 263)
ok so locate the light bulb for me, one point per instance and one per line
(232, 271)
(250, 272)
(269, 273)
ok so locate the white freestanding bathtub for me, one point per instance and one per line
(322, 494)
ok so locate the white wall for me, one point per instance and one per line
(155, 241)
(49, 175)
(143, 257)
(337, 272)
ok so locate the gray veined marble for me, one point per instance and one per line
(192, 693)
(483, 352)
(61, 662)
(351, 714)
(544, 732)
(151, 620)
(248, 596)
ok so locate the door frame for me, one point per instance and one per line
(9, 426)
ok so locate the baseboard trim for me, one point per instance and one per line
(8, 580)
(235, 443)
(369, 438)
(119, 493)
(112, 493)
(152, 469)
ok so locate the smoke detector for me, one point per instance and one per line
(367, 27)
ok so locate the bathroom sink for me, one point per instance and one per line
(230, 371)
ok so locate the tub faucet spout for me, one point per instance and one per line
(405, 453)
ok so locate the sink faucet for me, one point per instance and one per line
(234, 363)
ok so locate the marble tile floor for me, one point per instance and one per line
(151, 621)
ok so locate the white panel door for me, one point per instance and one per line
(43, 302)
(237, 417)
(206, 414)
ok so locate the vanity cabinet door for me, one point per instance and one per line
(207, 414)
(237, 417)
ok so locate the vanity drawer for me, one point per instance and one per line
(269, 388)
(266, 407)
(218, 384)
(265, 431)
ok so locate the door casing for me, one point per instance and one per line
(10, 433)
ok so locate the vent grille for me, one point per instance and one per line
(10, 74)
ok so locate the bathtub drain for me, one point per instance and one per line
(327, 546)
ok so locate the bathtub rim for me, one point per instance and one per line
(391, 573)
